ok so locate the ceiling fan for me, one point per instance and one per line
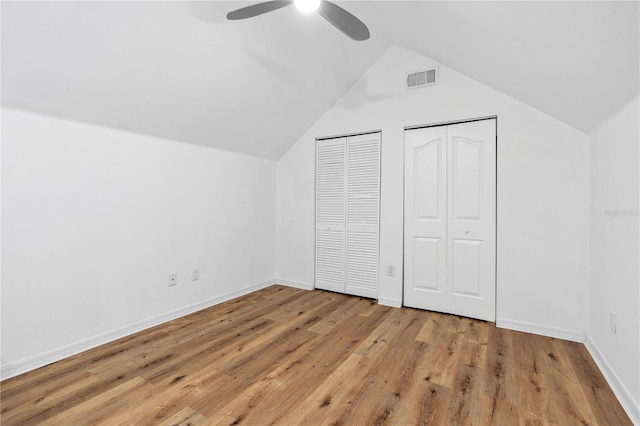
(337, 16)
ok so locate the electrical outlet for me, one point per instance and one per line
(195, 274)
(613, 322)
(173, 279)
(391, 270)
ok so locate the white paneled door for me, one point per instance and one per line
(347, 214)
(425, 223)
(450, 219)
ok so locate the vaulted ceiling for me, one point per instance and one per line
(179, 70)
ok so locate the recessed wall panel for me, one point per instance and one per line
(467, 178)
(427, 179)
(426, 263)
(466, 267)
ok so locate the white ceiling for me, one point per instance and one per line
(179, 70)
(577, 61)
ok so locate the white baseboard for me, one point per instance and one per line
(631, 407)
(48, 357)
(544, 330)
(295, 284)
(394, 303)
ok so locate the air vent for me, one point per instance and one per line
(422, 78)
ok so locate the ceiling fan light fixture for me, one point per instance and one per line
(351, 26)
(307, 6)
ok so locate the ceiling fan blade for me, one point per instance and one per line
(257, 9)
(343, 20)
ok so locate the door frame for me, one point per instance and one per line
(439, 124)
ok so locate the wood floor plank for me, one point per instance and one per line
(240, 336)
(186, 417)
(501, 381)
(333, 397)
(18, 410)
(151, 405)
(390, 327)
(465, 405)
(286, 356)
(351, 307)
(533, 399)
(202, 394)
(423, 400)
(98, 409)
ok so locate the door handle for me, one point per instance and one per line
(466, 231)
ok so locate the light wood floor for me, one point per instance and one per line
(287, 356)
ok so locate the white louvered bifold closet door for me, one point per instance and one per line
(330, 214)
(347, 214)
(363, 201)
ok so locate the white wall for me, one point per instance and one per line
(95, 219)
(614, 280)
(542, 191)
